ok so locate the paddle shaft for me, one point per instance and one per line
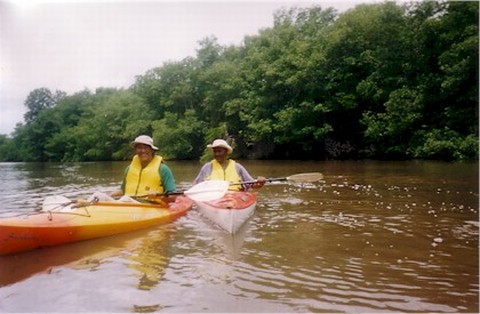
(267, 180)
(299, 178)
(159, 194)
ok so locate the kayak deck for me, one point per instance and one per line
(84, 221)
(231, 211)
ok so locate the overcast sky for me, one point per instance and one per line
(73, 45)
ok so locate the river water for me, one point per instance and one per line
(371, 237)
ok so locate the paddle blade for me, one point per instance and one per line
(306, 177)
(207, 191)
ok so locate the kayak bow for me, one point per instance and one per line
(231, 211)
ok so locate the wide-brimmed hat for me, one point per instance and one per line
(144, 139)
(221, 143)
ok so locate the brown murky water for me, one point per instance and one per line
(371, 237)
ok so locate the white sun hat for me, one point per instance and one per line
(144, 139)
(221, 143)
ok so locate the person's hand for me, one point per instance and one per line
(153, 194)
(116, 194)
(260, 182)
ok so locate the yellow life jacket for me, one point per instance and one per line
(228, 174)
(141, 181)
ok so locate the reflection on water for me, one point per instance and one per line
(141, 257)
(150, 259)
(145, 252)
(372, 237)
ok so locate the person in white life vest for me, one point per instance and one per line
(223, 168)
(147, 174)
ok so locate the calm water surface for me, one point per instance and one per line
(371, 237)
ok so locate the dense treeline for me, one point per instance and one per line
(382, 81)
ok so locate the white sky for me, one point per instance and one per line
(73, 45)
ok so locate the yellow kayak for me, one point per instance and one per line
(83, 221)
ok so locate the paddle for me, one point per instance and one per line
(202, 192)
(296, 178)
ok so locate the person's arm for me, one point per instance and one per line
(243, 173)
(204, 173)
(121, 191)
(245, 176)
(168, 180)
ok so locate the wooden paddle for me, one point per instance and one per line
(296, 178)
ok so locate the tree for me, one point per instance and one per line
(391, 132)
(459, 66)
(40, 99)
(106, 128)
(8, 151)
(382, 81)
(179, 137)
(169, 88)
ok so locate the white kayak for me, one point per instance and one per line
(231, 211)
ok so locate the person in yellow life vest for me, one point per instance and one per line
(147, 174)
(223, 168)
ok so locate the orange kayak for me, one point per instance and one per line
(231, 211)
(83, 221)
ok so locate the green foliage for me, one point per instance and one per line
(446, 144)
(105, 130)
(386, 131)
(220, 131)
(178, 137)
(170, 88)
(381, 80)
(40, 99)
(7, 149)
